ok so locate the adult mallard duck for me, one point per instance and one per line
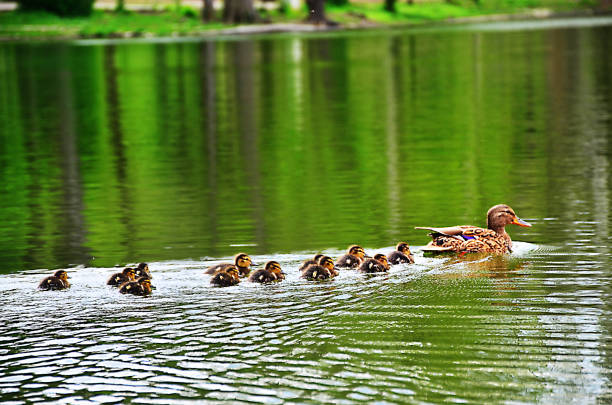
(242, 262)
(271, 272)
(128, 274)
(472, 239)
(402, 254)
(58, 281)
(355, 256)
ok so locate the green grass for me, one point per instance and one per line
(101, 24)
(427, 12)
(185, 20)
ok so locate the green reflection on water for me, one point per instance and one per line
(120, 153)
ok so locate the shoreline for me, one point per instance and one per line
(539, 14)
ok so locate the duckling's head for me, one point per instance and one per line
(233, 272)
(62, 275)
(501, 215)
(382, 259)
(143, 267)
(327, 262)
(145, 282)
(403, 247)
(243, 260)
(317, 257)
(275, 268)
(129, 272)
(356, 250)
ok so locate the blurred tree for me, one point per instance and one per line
(390, 6)
(239, 11)
(316, 12)
(120, 5)
(59, 7)
(208, 11)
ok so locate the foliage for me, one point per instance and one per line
(182, 20)
(59, 7)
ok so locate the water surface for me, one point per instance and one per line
(182, 154)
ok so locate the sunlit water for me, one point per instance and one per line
(182, 154)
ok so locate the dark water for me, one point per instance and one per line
(182, 154)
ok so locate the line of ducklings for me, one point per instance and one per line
(319, 268)
(135, 281)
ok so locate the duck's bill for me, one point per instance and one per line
(520, 222)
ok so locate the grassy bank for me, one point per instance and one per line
(186, 21)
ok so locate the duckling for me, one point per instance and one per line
(372, 266)
(226, 277)
(402, 254)
(328, 263)
(310, 262)
(142, 270)
(317, 272)
(271, 272)
(142, 286)
(382, 259)
(117, 279)
(58, 281)
(353, 258)
(242, 262)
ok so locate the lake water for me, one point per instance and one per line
(183, 153)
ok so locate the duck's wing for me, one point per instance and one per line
(449, 230)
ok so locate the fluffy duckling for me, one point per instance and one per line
(126, 275)
(402, 254)
(353, 258)
(242, 262)
(372, 266)
(272, 272)
(58, 281)
(226, 277)
(310, 262)
(324, 270)
(142, 287)
(328, 263)
(317, 272)
(382, 259)
(142, 270)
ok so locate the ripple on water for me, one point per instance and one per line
(364, 339)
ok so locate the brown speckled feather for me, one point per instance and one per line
(484, 241)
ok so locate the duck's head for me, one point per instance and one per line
(327, 262)
(356, 250)
(403, 247)
(501, 215)
(145, 282)
(142, 268)
(317, 257)
(382, 259)
(130, 273)
(62, 275)
(233, 272)
(275, 268)
(243, 260)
